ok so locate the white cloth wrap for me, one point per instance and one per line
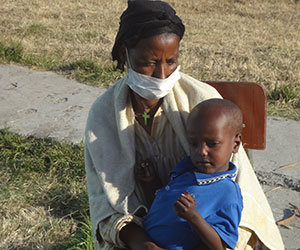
(110, 157)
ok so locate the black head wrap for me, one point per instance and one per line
(143, 19)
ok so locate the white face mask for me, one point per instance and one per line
(148, 87)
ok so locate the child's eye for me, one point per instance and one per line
(212, 144)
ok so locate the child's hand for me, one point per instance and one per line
(185, 207)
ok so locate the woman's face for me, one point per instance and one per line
(156, 56)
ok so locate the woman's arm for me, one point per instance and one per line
(136, 238)
(185, 208)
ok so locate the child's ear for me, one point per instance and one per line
(237, 142)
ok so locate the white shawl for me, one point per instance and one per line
(110, 157)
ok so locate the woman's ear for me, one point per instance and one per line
(237, 142)
(122, 51)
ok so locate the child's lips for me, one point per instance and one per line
(205, 164)
(203, 167)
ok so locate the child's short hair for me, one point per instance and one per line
(218, 106)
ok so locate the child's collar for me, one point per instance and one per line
(186, 165)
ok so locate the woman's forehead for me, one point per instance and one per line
(158, 41)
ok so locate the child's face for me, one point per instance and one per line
(212, 142)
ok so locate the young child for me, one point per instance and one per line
(201, 206)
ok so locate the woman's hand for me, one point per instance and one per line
(144, 171)
(185, 207)
(146, 177)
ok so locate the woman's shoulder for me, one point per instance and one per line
(103, 108)
(192, 91)
(107, 98)
(193, 86)
(187, 79)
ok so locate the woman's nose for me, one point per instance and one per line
(160, 71)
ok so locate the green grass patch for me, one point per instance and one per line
(83, 239)
(284, 101)
(282, 109)
(286, 94)
(45, 62)
(43, 197)
(88, 71)
(28, 154)
(12, 52)
(83, 70)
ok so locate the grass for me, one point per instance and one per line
(88, 71)
(43, 194)
(284, 101)
(234, 40)
(43, 200)
(12, 52)
(83, 70)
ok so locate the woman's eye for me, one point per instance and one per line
(146, 64)
(171, 62)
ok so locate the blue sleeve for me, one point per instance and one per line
(226, 222)
(181, 167)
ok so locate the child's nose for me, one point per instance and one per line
(203, 149)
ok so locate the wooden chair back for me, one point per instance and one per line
(251, 98)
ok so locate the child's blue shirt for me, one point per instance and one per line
(219, 202)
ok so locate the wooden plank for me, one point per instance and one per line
(251, 98)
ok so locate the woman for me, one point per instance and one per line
(140, 122)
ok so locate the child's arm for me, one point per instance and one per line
(136, 238)
(185, 208)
